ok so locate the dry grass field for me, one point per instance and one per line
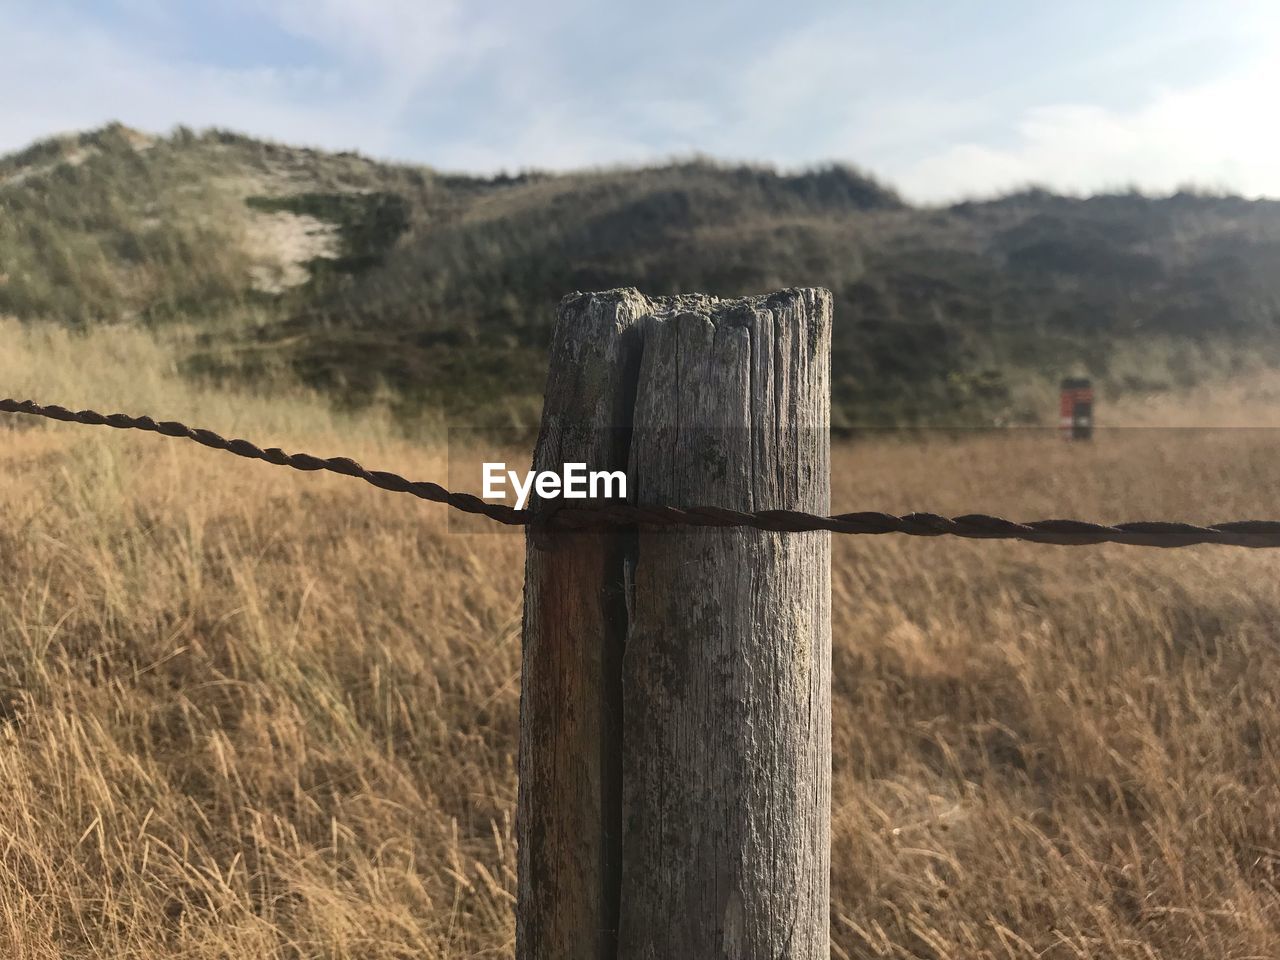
(249, 713)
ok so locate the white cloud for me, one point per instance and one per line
(64, 76)
(1216, 134)
(405, 40)
(505, 86)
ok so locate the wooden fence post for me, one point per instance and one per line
(675, 716)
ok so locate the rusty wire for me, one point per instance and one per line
(559, 516)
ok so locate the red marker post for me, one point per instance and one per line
(1076, 419)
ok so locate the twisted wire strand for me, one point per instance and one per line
(559, 515)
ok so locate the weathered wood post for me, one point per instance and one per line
(675, 754)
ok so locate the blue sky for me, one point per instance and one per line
(942, 99)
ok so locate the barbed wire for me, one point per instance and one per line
(559, 515)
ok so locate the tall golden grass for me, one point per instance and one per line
(246, 713)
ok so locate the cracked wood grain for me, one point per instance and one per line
(675, 713)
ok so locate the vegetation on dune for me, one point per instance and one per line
(368, 223)
(251, 713)
(441, 288)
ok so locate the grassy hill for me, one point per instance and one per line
(370, 279)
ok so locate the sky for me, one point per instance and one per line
(943, 100)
